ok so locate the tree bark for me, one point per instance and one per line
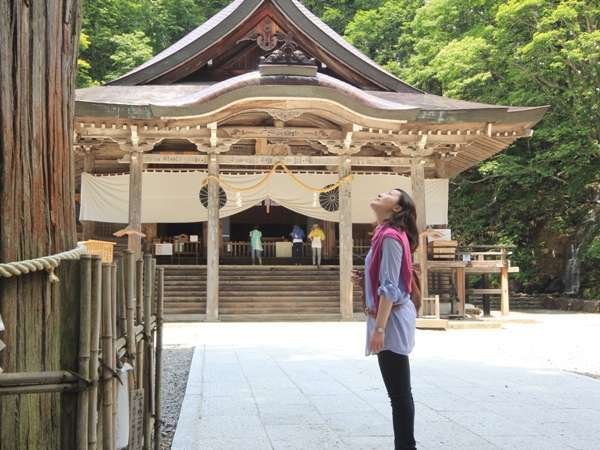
(38, 48)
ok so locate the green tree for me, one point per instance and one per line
(385, 33)
(131, 50)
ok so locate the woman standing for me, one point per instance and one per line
(391, 319)
(316, 236)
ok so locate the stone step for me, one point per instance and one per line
(281, 317)
(280, 298)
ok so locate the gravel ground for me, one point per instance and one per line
(176, 366)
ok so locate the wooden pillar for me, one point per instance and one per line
(136, 168)
(88, 227)
(212, 242)
(460, 289)
(345, 193)
(329, 244)
(417, 179)
(422, 256)
(504, 298)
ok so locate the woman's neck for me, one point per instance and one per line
(381, 218)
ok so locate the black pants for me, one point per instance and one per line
(297, 250)
(395, 370)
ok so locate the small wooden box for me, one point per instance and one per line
(102, 248)
(443, 249)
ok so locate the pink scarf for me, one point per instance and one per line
(381, 232)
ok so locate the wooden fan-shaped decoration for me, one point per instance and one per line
(330, 200)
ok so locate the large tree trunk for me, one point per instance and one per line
(38, 47)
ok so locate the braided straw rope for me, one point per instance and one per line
(47, 263)
(272, 172)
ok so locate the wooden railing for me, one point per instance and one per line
(241, 249)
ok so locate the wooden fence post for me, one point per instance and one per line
(504, 296)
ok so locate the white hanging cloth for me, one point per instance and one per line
(176, 197)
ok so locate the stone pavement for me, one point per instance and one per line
(308, 386)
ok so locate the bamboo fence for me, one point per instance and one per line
(120, 321)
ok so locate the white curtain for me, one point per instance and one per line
(170, 197)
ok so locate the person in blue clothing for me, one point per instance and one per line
(297, 236)
(392, 299)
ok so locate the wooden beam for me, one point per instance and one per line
(246, 132)
(269, 160)
(212, 242)
(345, 198)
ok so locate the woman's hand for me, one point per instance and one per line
(376, 342)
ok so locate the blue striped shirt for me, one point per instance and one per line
(400, 328)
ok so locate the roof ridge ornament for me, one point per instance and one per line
(288, 60)
(288, 54)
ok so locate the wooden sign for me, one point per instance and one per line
(136, 421)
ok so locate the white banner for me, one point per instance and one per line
(174, 197)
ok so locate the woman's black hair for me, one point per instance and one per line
(406, 218)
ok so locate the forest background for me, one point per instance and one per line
(542, 194)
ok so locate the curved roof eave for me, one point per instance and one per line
(223, 23)
(205, 100)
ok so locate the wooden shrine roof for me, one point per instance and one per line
(184, 100)
(291, 17)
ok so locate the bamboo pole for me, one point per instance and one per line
(130, 305)
(41, 389)
(84, 348)
(159, 340)
(148, 347)
(108, 358)
(121, 296)
(113, 298)
(139, 297)
(32, 378)
(96, 309)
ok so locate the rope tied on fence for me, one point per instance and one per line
(47, 263)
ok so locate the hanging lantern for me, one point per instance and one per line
(238, 199)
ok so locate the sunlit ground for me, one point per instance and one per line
(308, 386)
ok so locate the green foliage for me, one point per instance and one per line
(111, 27)
(542, 193)
(131, 50)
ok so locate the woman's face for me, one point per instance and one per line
(386, 203)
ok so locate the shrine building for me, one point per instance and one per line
(264, 116)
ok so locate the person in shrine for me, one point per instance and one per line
(297, 236)
(256, 247)
(316, 236)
